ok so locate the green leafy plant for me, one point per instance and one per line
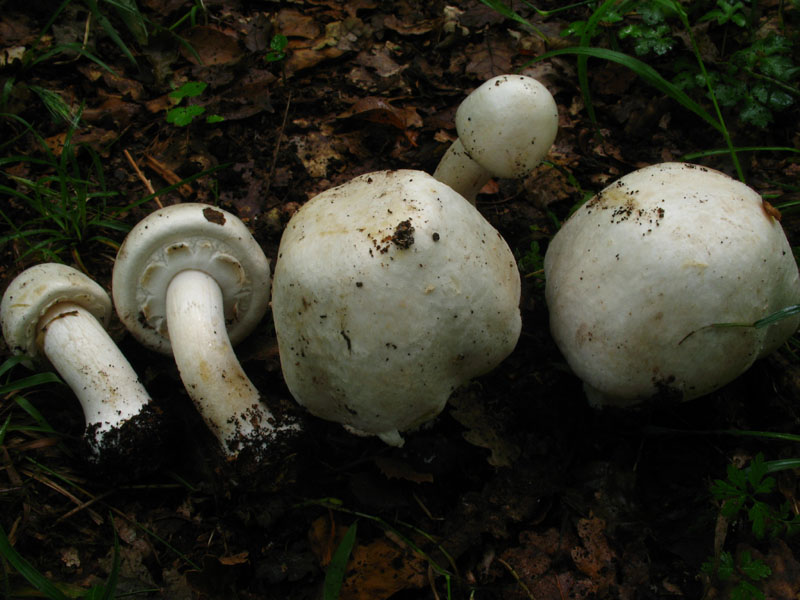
(745, 568)
(277, 48)
(182, 115)
(748, 491)
(726, 12)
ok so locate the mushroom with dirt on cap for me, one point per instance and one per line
(190, 280)
(638, 277)
(505, 128)
(54, 313)
(389, 292)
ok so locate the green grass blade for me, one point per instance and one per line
(78, 49)
(500, 7)
(644, 71)
(27, 570)
(334, 576)
(133, 19)
(28, 382)
(29, 408)
(784, 464)
(109, 29)
(720, 151)
(4, 429)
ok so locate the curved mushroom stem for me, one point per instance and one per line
(209, 369)
(86, 357)
(461, 173)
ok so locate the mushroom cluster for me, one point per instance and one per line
(389, 292)
(638, 276)
(55, 314)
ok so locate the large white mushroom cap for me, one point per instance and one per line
(389, 292)
(636, 276)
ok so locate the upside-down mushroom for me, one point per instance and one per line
(190, 280)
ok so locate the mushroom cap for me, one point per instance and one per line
(189, 236)
(508, 124)
(34, 291)
(638, 274)
(389, 292)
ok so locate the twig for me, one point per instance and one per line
(143, 179)
(278, 145)
(521, 583)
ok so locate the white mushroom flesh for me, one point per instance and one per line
(389, 292)
(213, 376)
(92, 365)
(638, 274)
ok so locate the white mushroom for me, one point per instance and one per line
(505, 128)
(190, 279)
(56, 314)
(389, 292)
(638, 274)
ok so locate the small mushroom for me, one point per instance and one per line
(190, 280)
(638, 276)
(505, 128)
(389, 292)
(54, 313)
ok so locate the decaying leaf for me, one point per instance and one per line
(397, 469)
(380, 569)
(483, 429)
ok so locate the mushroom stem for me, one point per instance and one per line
(224, 395)
(88, 360)
(457, 170)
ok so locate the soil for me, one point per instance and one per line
(518, 489)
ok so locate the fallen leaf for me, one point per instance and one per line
(483, 429)
(235, 559)
(213, 46)
(380, 569)
(393, 468)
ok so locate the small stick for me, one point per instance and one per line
(143, 179)
(278, 145)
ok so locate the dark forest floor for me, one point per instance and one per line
(519, 489)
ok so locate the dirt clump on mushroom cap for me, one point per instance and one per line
(389, 292)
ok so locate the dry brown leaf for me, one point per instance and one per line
(594, 558)
(213, 46)
(483, 429)
(317, 153)
(393, 468)
(409, 25)
(235, 559)
(293, 23)
(488, 60)
(380, 569)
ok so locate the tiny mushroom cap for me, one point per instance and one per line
(638, 276)
(389, 292)
(190, 279)
(54, 313)
(505, 128)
